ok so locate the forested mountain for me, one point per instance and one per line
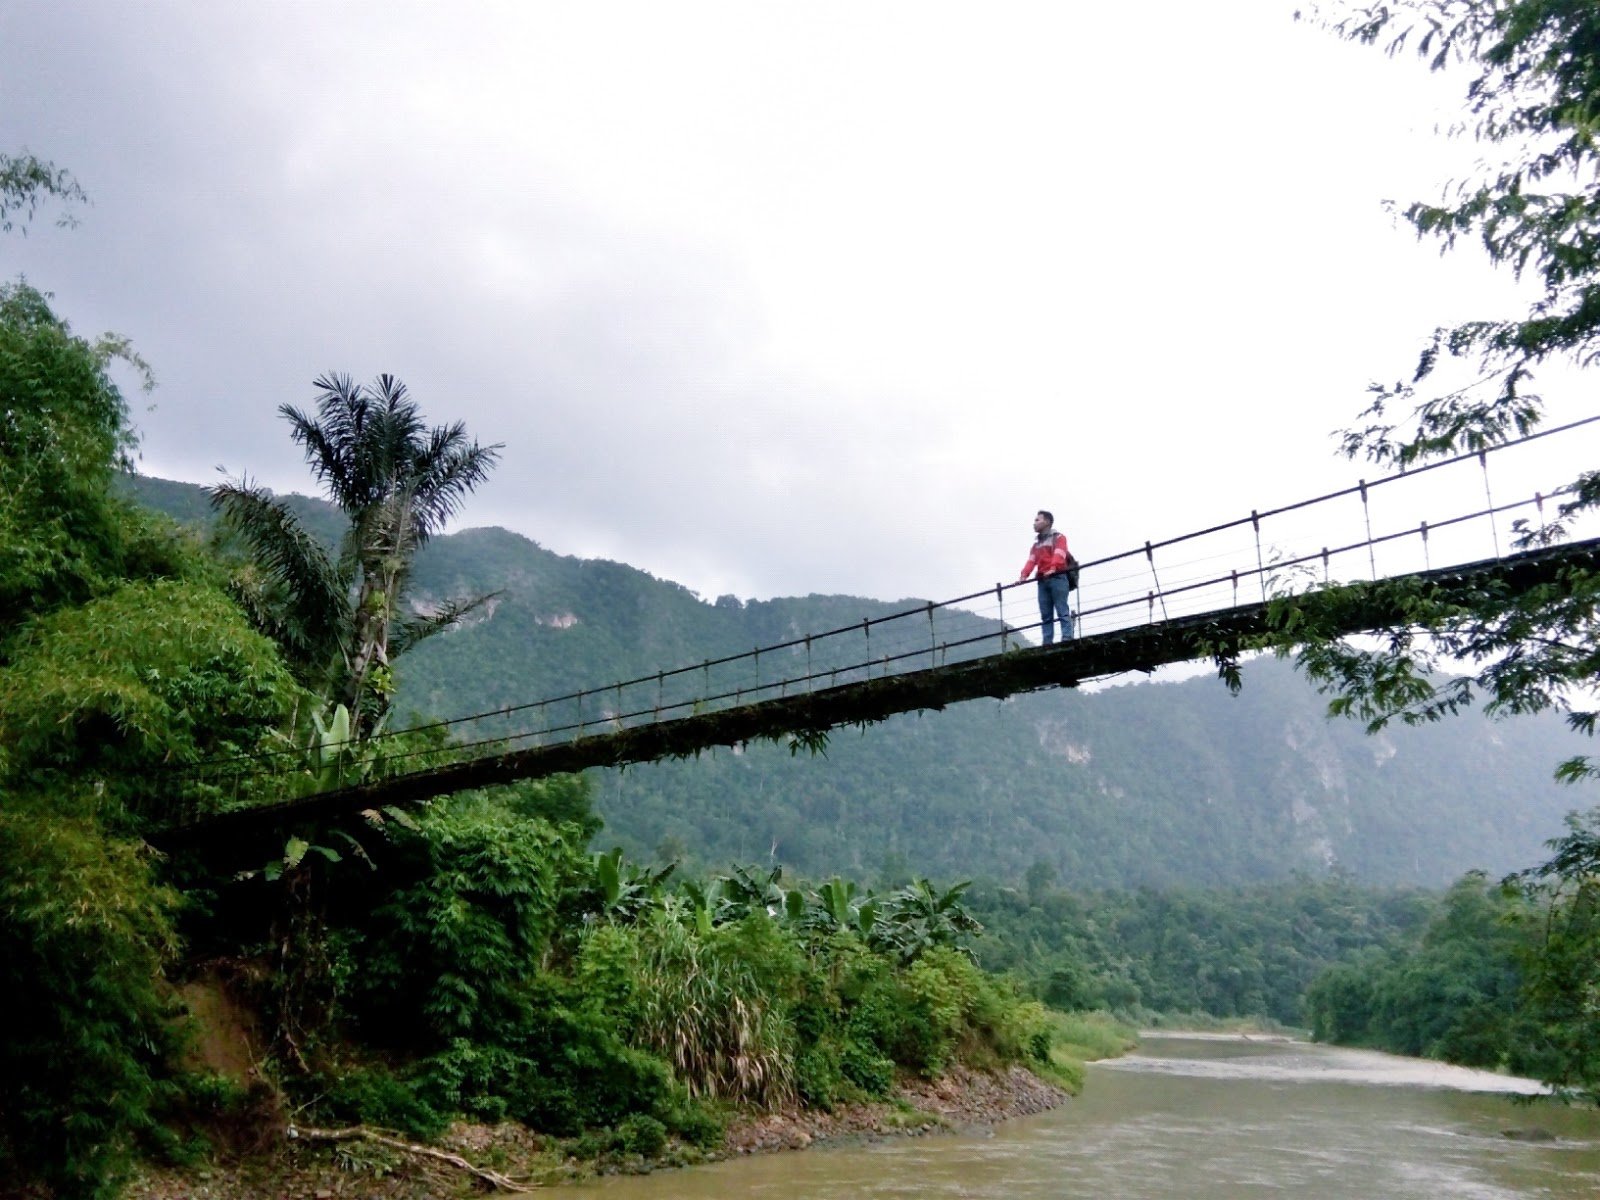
(1154, 784)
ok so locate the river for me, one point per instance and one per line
(1203, 1118)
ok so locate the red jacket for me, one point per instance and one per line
(1048, 555)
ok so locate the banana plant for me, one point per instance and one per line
(296, 852)
(626, 889)
(330, 746)
(834, 898)
(333, 756)
(748, 891)
(919, 917)
(703, 903)
(841, 907)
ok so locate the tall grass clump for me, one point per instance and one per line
(1090, 1036)
(716, 1006)
(1079, 1038)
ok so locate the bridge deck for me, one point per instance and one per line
(1226, 631)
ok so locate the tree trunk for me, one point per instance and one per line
(371, 650)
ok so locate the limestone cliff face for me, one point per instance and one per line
(1055, 739)
(1316, 787)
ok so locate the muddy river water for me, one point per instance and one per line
(1205, 1117)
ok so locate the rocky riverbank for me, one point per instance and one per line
(962, 1101)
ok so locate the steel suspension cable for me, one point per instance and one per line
(1254, 519)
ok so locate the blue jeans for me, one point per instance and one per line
(1053, 600)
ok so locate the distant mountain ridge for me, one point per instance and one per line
(1146, 785)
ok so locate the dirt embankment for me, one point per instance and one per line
(961, 1101)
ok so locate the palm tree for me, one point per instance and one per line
(339, 619)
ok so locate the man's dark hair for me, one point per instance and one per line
(1050, 517)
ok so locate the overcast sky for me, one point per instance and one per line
(764, 299)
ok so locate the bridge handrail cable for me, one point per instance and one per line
(619, 720)
(929, 607)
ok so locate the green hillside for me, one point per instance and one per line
(1155, 784)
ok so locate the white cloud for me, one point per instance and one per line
(820, 298)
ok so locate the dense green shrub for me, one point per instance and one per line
(931, 1021)
(697, 1123)
(121, 689)
(886, 1017)
(84, 935)
(450, 949)
(563, 800)
(939, 1009)
(641, 1134)
(863, 1065)
(375, 1096)
(567, 1068)
(994, 1025)
(817, 1074)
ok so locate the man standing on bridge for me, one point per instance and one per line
(1048, 556)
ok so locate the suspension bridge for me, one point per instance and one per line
(1203, 594)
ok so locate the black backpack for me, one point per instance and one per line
(1072, 572)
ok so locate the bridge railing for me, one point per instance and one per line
(1451, 511)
